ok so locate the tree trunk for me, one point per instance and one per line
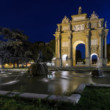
(17, 64)
(2, 66)
(22, 65)
(13, 65)
(26, 64)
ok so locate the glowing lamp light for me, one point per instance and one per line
(54, 58)
(66, 64)
(64, 57)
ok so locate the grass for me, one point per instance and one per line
(93, 98)
(15, 103)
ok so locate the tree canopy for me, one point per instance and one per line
(16, 49)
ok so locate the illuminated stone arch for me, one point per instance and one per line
(89, 31)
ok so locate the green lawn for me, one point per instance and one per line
(93, 98)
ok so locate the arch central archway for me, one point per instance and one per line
(74, 50)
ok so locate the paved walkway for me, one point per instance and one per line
(78, 68)
(74, 98)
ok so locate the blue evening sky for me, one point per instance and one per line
(38, 18)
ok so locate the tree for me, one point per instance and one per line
(47, 50)
(16, 43)
(35, 50)
(52, 46)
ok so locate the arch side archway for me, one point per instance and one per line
(91, 58)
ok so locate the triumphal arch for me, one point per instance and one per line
(91, 31)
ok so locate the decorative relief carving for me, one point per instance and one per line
(64, 44)
(79, 18)
(94, 42)
(65, 28)
(64, 50)
(78, 27)
(93, 25)
(94, 49)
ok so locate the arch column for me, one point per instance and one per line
(105, 51)
(59, 46)
(70, 60)
(100, 49)
(105, 46)
(58, 51)
(56, 48)
(87, 50)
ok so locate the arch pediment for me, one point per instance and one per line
(65, 20)
(94, 16)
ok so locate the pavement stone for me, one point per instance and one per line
(74, 98)
(58, 98)
(11, 94)
(4, 92)
(33, 96)
(80, 88)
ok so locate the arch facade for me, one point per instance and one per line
(90, 31)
